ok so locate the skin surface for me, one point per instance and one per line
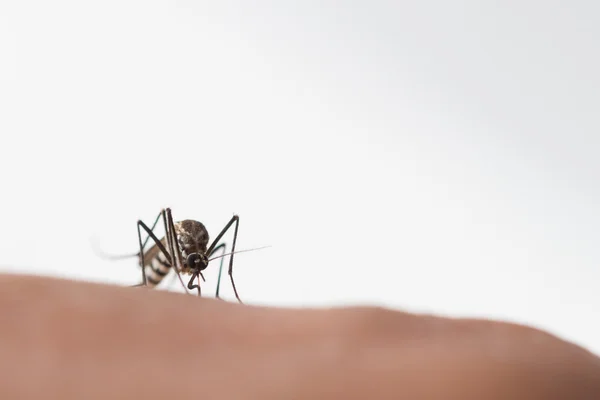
(71, 340)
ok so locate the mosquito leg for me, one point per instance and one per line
(141, 224)
(142, 246)
(191, 285)
(235, 219)
(170, 225)
(143, 264)
(152, 229)
(219, 247)
(172, 240)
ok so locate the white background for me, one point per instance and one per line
(430, 156)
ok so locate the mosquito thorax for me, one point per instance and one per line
(192, 236)
(197, 261)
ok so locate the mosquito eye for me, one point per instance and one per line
(194, 260)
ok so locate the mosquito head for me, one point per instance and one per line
(197, 261)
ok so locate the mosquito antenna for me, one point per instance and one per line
(239, 251)
(106, 256)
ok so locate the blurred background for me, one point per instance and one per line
(436, 157)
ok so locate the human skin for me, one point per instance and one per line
(66, 340)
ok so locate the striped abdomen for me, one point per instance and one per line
(157, 266)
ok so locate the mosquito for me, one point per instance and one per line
(185, 249)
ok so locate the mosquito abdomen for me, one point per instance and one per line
(157, 266)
